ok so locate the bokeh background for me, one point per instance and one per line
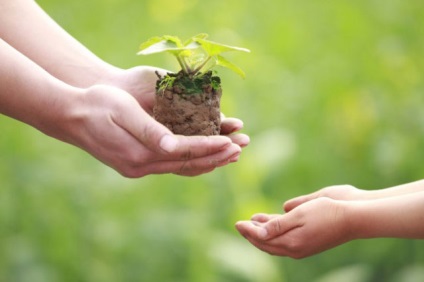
(334, 94)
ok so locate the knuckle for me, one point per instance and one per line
(325, 191)
(133, 167)
(146, 131)
(186, 155)
(278, 227)
(132, 160)
(184, 168)
(137, 157)
(324, 201)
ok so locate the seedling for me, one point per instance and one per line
(188, 102)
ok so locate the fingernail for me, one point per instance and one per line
(245, 143)
(168, 143)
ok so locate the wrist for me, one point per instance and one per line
(355, 219)
(57, 120)
(368, 219)
(87, 75)
(106, 75)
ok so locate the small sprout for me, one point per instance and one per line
(195, 56)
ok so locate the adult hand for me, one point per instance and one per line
(109, 123)
(140, 82)
(308, 229)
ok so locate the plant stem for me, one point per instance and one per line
(188, 68)
(196, 70)
(182, 64)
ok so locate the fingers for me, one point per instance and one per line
(337, 192)
(253, 231)
(250, 229)
(240, 139)
(279, 225)
(230, 125)
(195, 166)
(268, 226)
(263, 217)
(295, 202)
(206, 164)
(159, 139)
(191, 147)
(276, 247)
(255, 225)
(131, 117)
(283, 243)
(182, 155)
(125, 137)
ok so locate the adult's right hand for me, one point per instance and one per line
(110, 124)
(140, 82)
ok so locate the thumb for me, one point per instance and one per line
(278, 226)
(152, 134)
(158, 138)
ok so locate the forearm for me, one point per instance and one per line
(26, 27)
(399, 217)
(30, 94)
(413, 187)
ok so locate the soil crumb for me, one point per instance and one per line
(194, 114)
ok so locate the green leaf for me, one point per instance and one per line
(194, 55)
(194, 38)
(187, 51)
(166, 43)
(174, 40)
(150, 42)
(213, 48)
(221, 61)
(196, 59)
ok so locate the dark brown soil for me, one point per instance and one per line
(189, 114)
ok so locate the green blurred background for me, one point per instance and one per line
(333, 95)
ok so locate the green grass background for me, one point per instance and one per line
(334, 94)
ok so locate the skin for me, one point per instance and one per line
(53, 83)
(335, 215)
